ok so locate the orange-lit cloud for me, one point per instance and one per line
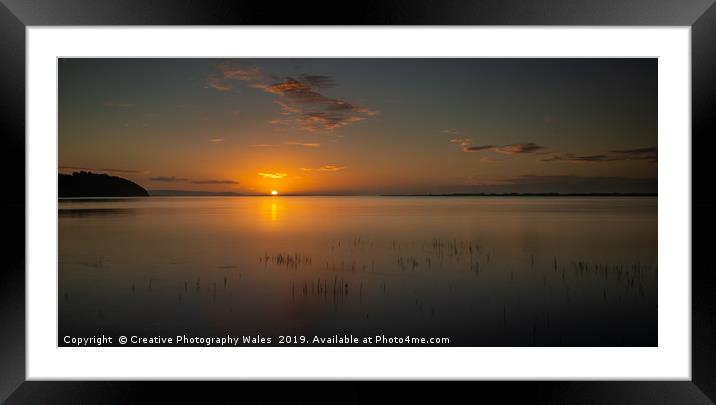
(217, 83)
(215, 182)
(301, 100)
(309, 109)
(326, 168)
(229, 71)
(272, 175)
(290, 143)
(233, 70)
(463, 142)
(216, 140)
(321, 121)
(287, 109)
(308, 145)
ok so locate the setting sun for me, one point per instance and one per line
(274, 192)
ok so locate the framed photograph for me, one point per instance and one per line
(464, 192)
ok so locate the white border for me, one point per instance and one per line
(670, 360)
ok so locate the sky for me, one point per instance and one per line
(363, 126)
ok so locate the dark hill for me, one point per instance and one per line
(87, 184)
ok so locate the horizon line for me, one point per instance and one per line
(516, 194)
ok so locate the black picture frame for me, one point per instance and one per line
(16, 15)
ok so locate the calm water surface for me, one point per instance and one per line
(483, 271)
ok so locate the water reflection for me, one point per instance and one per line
(482, 271)
(72, 212)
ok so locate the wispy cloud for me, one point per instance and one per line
(639, 152)
(326, 168)
(571, 157)
(289, 143)
(308, 145)
(287, 109)
(272, 175)
(214, 140)
(649, 154)
(308, 109)
(174, 179)
(229, 72)
(518, 148)
(510, 149)
(331, 168)
(214, 182)
(301, 100)
(469, 148)
(217, 83)
(463, 142)
(169, 179)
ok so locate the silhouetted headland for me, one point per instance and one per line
(88, 184)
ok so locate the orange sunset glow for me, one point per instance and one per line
(364, 126)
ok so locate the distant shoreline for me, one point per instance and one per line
(381, 195)
(526, 195)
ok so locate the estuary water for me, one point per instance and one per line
(480, 271)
